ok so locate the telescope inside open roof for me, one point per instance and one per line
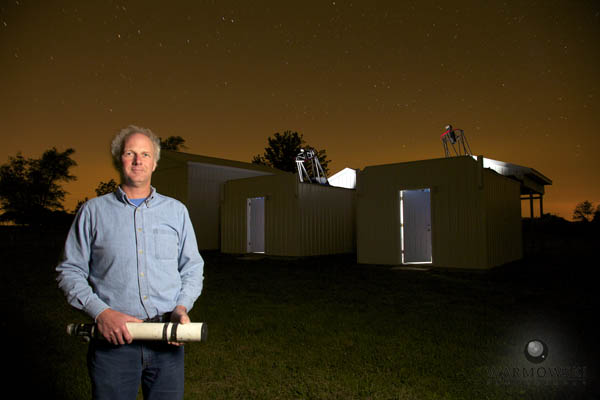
(455, 142)
(309, 155)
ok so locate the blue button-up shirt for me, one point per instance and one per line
(142, 261)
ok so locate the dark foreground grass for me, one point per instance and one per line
(328, 328)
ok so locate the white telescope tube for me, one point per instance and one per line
(158, 331)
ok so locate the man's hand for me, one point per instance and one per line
(111, 325)
(179, 315)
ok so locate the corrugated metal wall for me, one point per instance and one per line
(300, 219)
(205, 182)
(458, 223)
(458, 212)
(503, 206)
(170, 178)
(327, 219)
(198, 186)
(281, 214)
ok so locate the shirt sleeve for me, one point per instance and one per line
(191, 264)
(74, 268)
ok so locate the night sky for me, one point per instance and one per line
(372, 82)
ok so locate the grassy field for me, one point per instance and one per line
(328, 328)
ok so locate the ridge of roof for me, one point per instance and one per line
(197, 158)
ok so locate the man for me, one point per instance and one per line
(131, 256)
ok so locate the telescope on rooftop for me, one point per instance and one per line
(455, 142)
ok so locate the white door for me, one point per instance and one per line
(256, 225)
(415, 219)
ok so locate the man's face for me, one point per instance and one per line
(138, 160)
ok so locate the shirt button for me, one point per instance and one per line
(139, 229)
(141, 251)
(141, 274)
(145, 297)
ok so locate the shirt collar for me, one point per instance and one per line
(125, 200)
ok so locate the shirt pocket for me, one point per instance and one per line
(166, 244)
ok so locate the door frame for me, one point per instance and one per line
(402, 226)
(249, 224)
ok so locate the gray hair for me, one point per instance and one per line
(116, 147)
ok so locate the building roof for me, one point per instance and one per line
(532, 181)
(178, 156)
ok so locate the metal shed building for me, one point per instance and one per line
(197, 181)
(278, 215)
(447, 212)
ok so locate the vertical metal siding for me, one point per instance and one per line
(327, 218)
(457, 215)
(281, 222)
(170, 179)
(198, 186)
(301, 219)
(457, 220)
(205, 182)
(503, 209)
(475, 213)
(377, 217)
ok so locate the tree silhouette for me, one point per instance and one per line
(31, 189)
(584, 211)
(102, 189)
(106, 187)
(172, 143)
(283, 149)
(596, 218)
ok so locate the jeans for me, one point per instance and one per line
(117, 371)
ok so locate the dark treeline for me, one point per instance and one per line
(32, 193)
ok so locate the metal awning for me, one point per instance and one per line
(532, 181)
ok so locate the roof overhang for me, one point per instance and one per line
(532, 181)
